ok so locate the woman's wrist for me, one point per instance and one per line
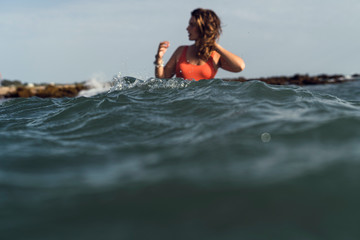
(158, 61)
(158, 65)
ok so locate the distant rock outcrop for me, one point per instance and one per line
(42, 91)
(298, 79)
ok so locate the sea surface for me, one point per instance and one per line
(176, 159)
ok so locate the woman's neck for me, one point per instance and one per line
(194, 47)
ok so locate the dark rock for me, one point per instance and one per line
(7, 83)
(298, 79)
(48, 91)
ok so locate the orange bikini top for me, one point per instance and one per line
(189, 71)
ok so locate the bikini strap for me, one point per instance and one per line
(183, 54)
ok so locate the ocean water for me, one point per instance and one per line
(175, 159)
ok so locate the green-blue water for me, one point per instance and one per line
(175, 159)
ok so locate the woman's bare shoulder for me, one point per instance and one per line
(177, 53)
(180, 49)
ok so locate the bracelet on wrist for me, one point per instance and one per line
(161, 64)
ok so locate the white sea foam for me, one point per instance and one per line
(96, 84)
(123, 83)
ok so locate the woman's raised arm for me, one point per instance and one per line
(168, 70)
(229, 61)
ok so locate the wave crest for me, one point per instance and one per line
(120, 83)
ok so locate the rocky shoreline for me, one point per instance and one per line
(301, 80)
(14, 89)
(42, 91)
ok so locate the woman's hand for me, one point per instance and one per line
(163, 46)
(159, 63)
(168, 70)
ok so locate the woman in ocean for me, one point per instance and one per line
(202, 59)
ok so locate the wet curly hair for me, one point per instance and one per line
(209, 27)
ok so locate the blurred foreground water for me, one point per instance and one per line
(174, 159)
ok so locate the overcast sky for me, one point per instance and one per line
(71, 41)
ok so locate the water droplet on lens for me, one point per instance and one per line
(266, 137)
